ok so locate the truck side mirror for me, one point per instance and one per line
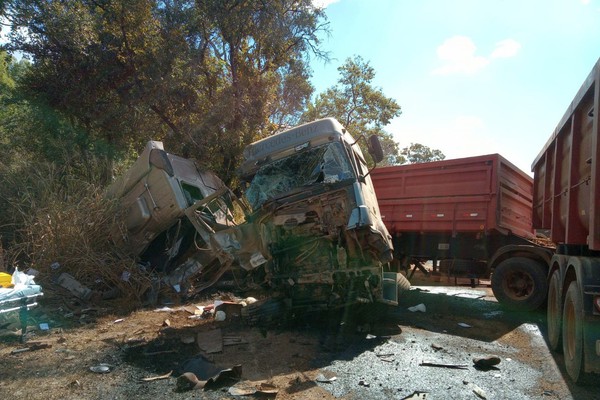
(374, 146)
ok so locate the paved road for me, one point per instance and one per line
(459, 324)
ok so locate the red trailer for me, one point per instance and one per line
(567, 202)
(473, 217)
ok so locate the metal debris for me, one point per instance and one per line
(417, 396)
(101, 368)
(210, 341)
(156, 378)
(453, 366)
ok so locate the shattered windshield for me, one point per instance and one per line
(323, 164)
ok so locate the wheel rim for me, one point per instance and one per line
(570, 336)
(518, 285)
(554, 312)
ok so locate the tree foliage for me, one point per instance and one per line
(418, 153)
(358, 105)
(207, 77)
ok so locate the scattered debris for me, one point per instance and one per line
(323, 379)
(5, 280)
(419, 307)
(230, 340)
(453, 366)
(386, 357)
(250, 300)
(164, 309)
(32, 347)
(188, 339)
(549, 393)
(436, 346)
(492, 314)
(210, 341)
(464, 325)
(476, 389)
(247, 389)
(469, 295)
(156, 378)
(220, 316)
(156, 353)
(417, 396)
(364, 383)
(189, 381)
(242, 389)
(230, 307)
(68, 282)
(267, 389)
(486, 362)
(200, 372)
(101, 368)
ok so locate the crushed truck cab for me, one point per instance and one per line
(314, 205)
(308, 226)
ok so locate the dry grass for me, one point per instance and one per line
(51, 216)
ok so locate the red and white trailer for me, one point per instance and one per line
(567, 202)
(471, 216)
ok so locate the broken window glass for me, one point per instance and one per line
(317, 165)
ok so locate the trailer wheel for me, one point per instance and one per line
(520, 283)
(572, 333)
(403, 284)
(554, 312)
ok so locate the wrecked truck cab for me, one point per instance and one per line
(155, 193)
(315, 208)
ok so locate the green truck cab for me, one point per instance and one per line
(307, 229)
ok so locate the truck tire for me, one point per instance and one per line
(519, 283)
(554, 312)
(572, 333)
(403, 284)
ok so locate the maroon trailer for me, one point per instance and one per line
(567, 202)
(471, 217)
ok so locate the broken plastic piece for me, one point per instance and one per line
(220, 316)
(419, 307)
(72, 285)
(416, 396)
(101, 368)
(321, 378)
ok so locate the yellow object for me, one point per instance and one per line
(5, 280)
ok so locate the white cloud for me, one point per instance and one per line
(458, 55)
(506, 48)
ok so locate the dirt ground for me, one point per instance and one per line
(143, 354)
(97, 352)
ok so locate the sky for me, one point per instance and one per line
(473, 77)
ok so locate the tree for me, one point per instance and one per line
(418, 153)
(360, 107)
(206, 77)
